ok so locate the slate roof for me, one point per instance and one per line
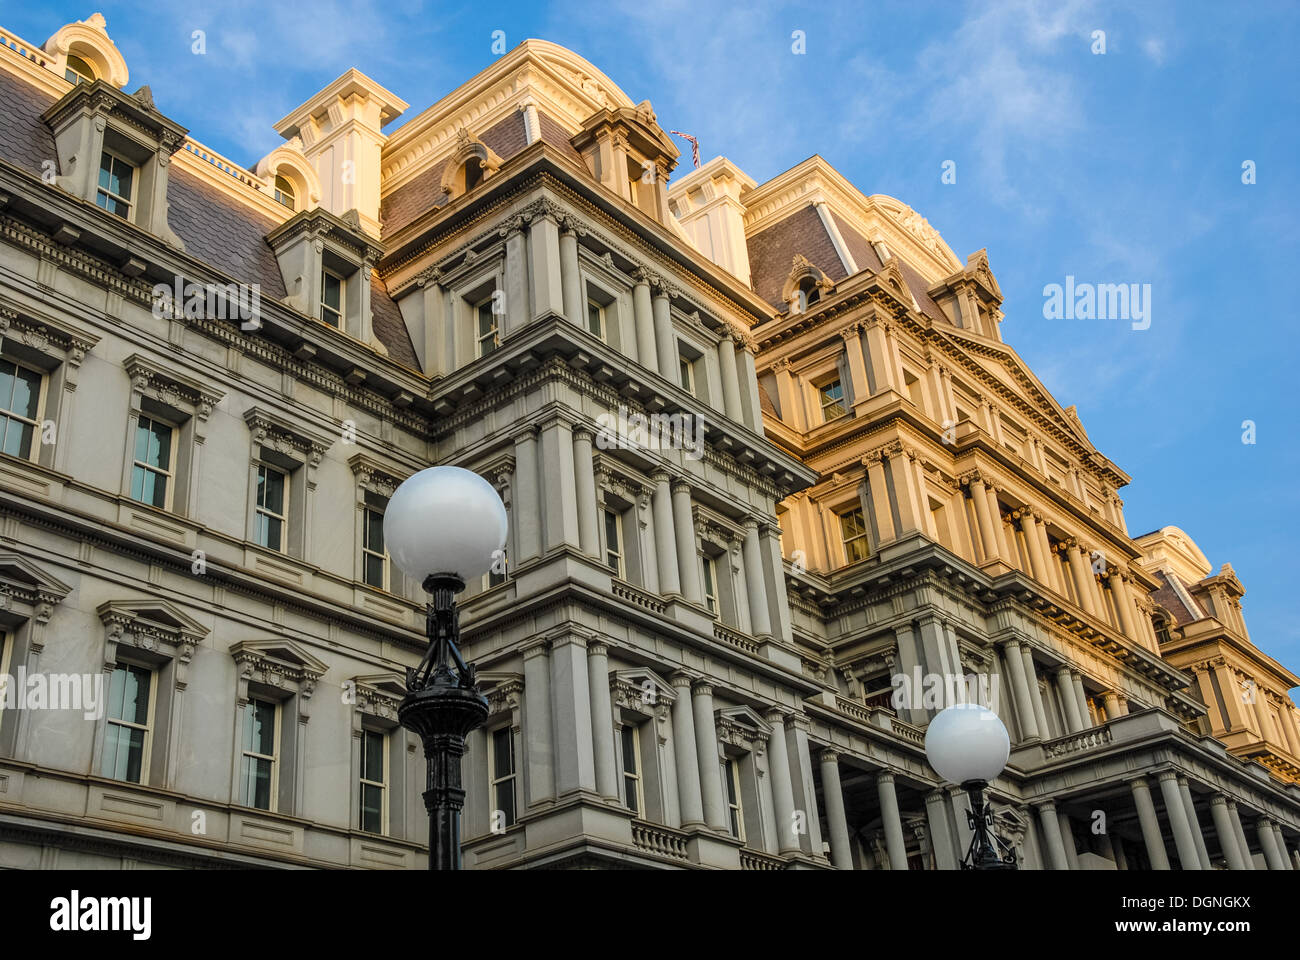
(1172, 600)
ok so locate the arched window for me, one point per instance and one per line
(284, 193)
(1161, 625)
(78, 70)
(473, 173)
(811, 292)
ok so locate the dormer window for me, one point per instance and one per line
(331, 298)
(78, 70)
(116, 185)
(284, 193)
(809, 292)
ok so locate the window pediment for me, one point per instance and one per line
(641, 691)
(23, 582)
(742, 727)
(170, 389)
(278, 663)
(151, 626)
(378, 695)
(294, 442)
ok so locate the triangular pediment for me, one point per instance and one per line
(152, 614)
(23, 576)
(281, 651)
(745, 717)
(641, 679)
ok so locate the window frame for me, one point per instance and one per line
(9, 415)
(170, 473)
(367, 551)
(146, 749)
(494, 332)
(601, 333)
(341, 311)
(840, 402)
(864, 537)
(274, 758)
(86, 76)
(280, 194)
(709, 584)
(259, 510)
(494, 782)
(129, 201)
(382, 785)
(734, 798)
(686, 378)
(631, 733)
(619, 549)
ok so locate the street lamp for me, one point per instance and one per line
(967, 744)
(443, 526)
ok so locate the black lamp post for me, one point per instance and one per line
(987, 850)
(443, 519)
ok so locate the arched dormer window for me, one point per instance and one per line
(285, 192)
(289, 178)
(82, 52)
(1161, 624)
(811, 293)
(77, 70)
(805, 285)
(472, 162)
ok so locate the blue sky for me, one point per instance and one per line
(1117, 168)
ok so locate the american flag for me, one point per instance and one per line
(695, 144)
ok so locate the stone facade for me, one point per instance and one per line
(763, 451)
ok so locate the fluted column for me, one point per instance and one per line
(665, 341)
(1146, 810)
(544, 265)
(1268, 841)
(685, 754)
(602, 720)
(570, 278)
(1052, 565)
(643, 320)
(706, 749)
(688, 564)
(841, 856)
(527, 515)
(585, 475)
(1020, 690)
(1194, 822)
(892, 822)
(1242, 843)
(731, 402)
(1177, 814)
(909, 506)
(759, 617)
(1289, 731)
(670, 583)
(782, 784)
(1069, 702)
(539, 753)
(1226, 832)
(1051, 824)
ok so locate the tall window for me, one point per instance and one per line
(853, 531)
(731, 779)
(78, 70)
(374, 559)
(284, 193)
(710, 569)
(20, 404)
(614, 544)
(374, 780)
(116, 181)
(257, 768)
(272, 507)
(503, 775)
(686, 371)
(831, 397)
(488, 338)
(126, 738)
(331, 298)
(596, 319)
(500, 567)
(151, 474)
(633, 794)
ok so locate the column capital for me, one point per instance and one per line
(583, 434)
(776, 716)
(1045, 806)
(535, 648)
(683, 679)
(702, 688)
(1010, 643)
(885, 775)
(1218, 800)
(660, 476)
(829, 755)
(680, 486)
(597, 648)
(1168, 774)
(527, 432)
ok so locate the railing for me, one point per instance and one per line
(625, 591)
(21, 47)
(661, 840)
(735, 638)
(1084, 740)
(907, 732)
(223, 164)
(880, 700)
(753, 860)
(853, 709)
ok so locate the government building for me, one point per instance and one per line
(773, 478)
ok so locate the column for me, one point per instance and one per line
(999, 528)
(684, 753)
(670, 583)
(1194, 822)
(1085, 715)
(759, 618)
(891, 820)
(1146, 810)
(1035, 692)
(560, 505)
(585, 475)
(688, 564)
(1051, 824)
(880, 497)
(544, 266)
(571, 279)
(857, 366)
(1053, 577)
(1034, 548)
(706, 751)
(841, 856)
(731, 402)
(909, 509)
(602, 721)
(750, 408)
(879, 357)
(1020, 690)
(1069, 701)
(1110, 701)
(575, 762)
(1119, 590)
(988, 536)
(527, 515)
(643, 320)
(1281, 847)
(1289, 728)
(1226, 832)
(782, 786)
(665, 342)
(936, 815)
(1242, 844)
(1268, 841)
(1067, 839)
(1082, 574)
(1177, 814)
(539, 757)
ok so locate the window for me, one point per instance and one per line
(78, 70)
(151, 473)
(1162, 630)
(502, 767)
(853, 532)
(331, 298)
(116, 179)
(374, 781)
(272, 507)
(20, 404)
(710, 583)
(497, 572)
(632, 786)
(596, 319)
(487, 337)
(831, 397)
(686, 368)
(126, 742)
(614, 544)
(284, 193)
(731, 778)
(257, 768)
(374, 558)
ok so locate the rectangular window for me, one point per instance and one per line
(20, 405)
(500, 567)
(831, 397)
(632, 788)
(710, 570)
(488, 338)
(853, 532)
(686, 368)
(374, 558)
(272, 507)
(151, 474)
(502, 767)
(331, 298)
(596, 319)
(614, 544)
(731, 779)
(257, 768)
(126, 737)
(374, 781)
(116, 180)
